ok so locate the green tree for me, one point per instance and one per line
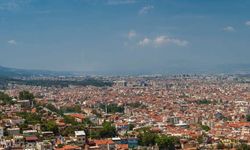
(147, 138)
(60, 145)
(200, 139)
(220, 145)
(108, 130)
(248, 117)
(94, 134)
(5, 98)
(243, 146)
(69, 130)
(205, 127)
(204, 101)
(1, 115)
(112, 108)
(70, 120)
(30, 118)
(54, 109)
(137, 105)
(50, 126)
(73, 109)
(26, 95)
(165, 142)
(87, 121)
(131, 127)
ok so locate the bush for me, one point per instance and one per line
(248, 117)
(5, 98)
(205, 127)
(26, 95)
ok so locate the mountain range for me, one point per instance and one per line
(219, 69)
(14, 72)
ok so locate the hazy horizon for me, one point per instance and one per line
(126, 36)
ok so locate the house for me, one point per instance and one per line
(48, 135)
(132, 142)
(122, 126)
(105, 144)
(191, 145)
(45, 145)
(117, 140)
(80, 137)
(13, 131)
(173, 120)
(29, 132)
(25, 103)
(69, 147)
(78, 117)
(30, 142)
(19, 141)
(122, 147)
(182, 124)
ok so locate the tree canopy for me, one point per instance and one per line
(205, 127)
(112, 108)
(50, 126)
(248, 117)
(5, 98)
(107, 131)
(149, 138)
(26, 95)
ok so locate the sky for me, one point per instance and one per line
(125, 36)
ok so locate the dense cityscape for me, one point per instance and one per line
(143, 112)
(124, 75)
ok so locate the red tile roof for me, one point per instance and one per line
(69, 147)
(103, 142)
(31, 138)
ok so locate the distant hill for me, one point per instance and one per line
(177, 69)
(13, 72)
(12, 75)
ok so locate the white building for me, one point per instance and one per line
(80, 137)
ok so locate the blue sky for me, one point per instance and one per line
(125, 36)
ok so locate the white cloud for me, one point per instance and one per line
(163, 40)
(12, 42)
(144, 42)
(160, 40)
(145, 9)
(229, 29)
(131, 34)
(248, 23)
